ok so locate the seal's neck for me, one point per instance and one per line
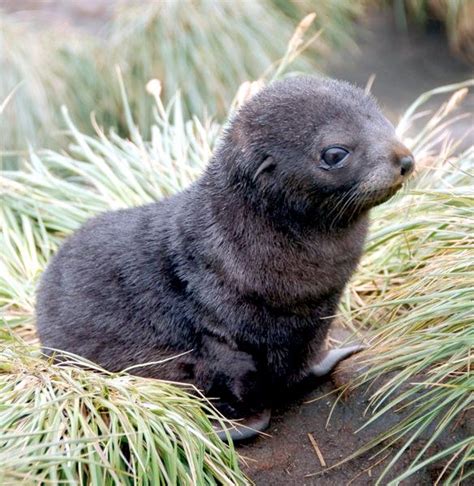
(281, 263)
(240, 201)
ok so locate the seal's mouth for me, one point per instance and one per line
(374, 197)
(358, 201)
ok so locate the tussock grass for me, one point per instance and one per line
(456, 15)
(39, 71)
(206, 49)
(77, 424)
(33, 87)
(335, 17)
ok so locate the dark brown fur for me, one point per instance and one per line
(242, 271)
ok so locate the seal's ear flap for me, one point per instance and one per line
(267, 164)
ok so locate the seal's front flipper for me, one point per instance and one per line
(247, 428)
(333, 357)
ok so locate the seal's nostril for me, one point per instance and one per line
(406, 164)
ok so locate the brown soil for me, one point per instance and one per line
(288, 457)
(310, 435)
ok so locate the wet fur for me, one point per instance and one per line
(242, 271)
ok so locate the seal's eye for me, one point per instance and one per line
(334, 155)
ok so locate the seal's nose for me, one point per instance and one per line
(406, 165)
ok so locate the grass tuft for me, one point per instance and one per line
(206, 49)
(30, 86)
(77, 424)
(456, 15)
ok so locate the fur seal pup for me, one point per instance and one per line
(241, 273)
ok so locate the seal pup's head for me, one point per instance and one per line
(313, 149)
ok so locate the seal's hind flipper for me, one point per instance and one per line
(246, 428)
(333, 357)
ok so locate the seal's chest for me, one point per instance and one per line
(321, 263)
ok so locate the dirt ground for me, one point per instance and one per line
(405, 65)
(310, 435)
(287, 455)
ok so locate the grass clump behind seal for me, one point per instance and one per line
(76, 424)
(457, 16)
(205, 48)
